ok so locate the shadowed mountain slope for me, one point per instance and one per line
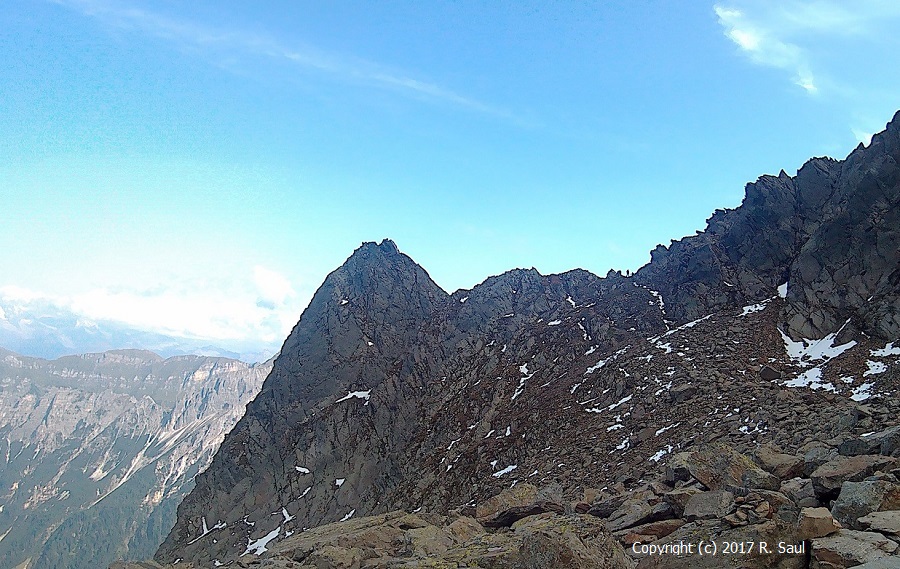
(391, 394)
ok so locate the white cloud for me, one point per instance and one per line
(273, 287)
(759, 37)
(225, 311)
(790, 34)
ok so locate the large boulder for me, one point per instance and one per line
(858, 499)
(644, 507)
(513, 504)
(709, 505)
(816, 522)
(887, 522)
(782, 465)
(801, 491)
(816, 457)
(720, 467)
(886, 442)
(646, 533)
(546, 541)
(828, 478)
(770, 531)
(679, 498)
(849, 548)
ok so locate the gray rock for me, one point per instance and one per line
(883, 563)
(801, 491)
(719, 467)
(709, 505)
(769, 373)
(858, 499)
(887, 522)
(637, 511)
(816, 457)
(828, 478)
(782, 465)
(860, 445)
(849, 548)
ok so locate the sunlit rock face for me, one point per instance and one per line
(97, 450)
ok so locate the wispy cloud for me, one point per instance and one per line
(760, 41)
(344, 67)
(785, 34)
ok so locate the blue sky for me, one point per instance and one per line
(199, 167)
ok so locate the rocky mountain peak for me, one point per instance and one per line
(390, 394)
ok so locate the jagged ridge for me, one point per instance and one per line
(390, 393)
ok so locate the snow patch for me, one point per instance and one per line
(874, 368)
(811, 378)
(349, 515)
(750, 309)
(661, 453)
(664, 429)
(782, 290)
(888, 350)
(207, 530)
(506, 470)
(596, 366)
(805, 351)
(259, 546)
(357, 395)
(523, 369)
(862, 392)
(302, 470)
(554, 323)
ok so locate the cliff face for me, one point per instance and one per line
(391, 394)
(96, 451)
(832, 232)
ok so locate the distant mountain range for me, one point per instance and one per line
(97, 450)
(40, 328)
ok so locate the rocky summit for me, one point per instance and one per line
(739, 388)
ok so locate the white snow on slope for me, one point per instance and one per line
(356, 394)
(506, 470)
(805, 351)
(258, 547)
(811, 378)
(888, 350)
(750, 309)
(523, 369)
(862, 392)
(782, 290)
(661, 453)
(610, 407)
(874, 368)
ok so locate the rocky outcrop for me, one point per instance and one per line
(416, 541)
(744, 353)
(832, 233)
